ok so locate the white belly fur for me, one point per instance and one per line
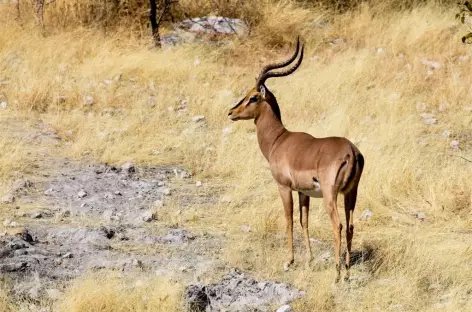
(314, 192)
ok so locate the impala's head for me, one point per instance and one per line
(251, 105)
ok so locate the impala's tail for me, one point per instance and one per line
(354, 164)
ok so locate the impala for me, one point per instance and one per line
(313, 167)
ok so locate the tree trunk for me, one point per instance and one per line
(40, 12)
(154, 23)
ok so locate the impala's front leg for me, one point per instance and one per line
(287, 200)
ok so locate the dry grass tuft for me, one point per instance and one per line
(109, 292)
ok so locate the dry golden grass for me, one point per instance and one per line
(349, 90)
(108, 292)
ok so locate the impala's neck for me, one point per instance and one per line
(269, 125)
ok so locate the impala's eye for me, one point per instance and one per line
(253, 99)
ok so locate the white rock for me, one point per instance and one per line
(227, 130)
(420, 107)
(161, 183)
(6, 222)
(285, 308)
(394, 96)
(198, 184)
(429, 118)
(128, 167)
(170, 109)
(464, 58)
(158, 203)
(3, 105)
(108, 81)
(166, 191)
(54, 294)
(226, 199)
(431, 64)
(8, 198)
(108, 214)
(196, 62)
(88, 100)
(380, 50)
(198, 118)
(468, 108)
(148, 216)
(454, 145)
(245, 228)
(442, 107)
(445, 133)
(366, 215)
(82, 194)
(337, 41)
(421, 216)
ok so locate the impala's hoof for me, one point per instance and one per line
(347, 277)
(287, 265)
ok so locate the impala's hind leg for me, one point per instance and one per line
(349, 205)
(304, 202)
(330, 201)
(287, 200)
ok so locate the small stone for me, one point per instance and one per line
(185, 175)
(429, 118)
(36, 215)
(166, 191)
(170, 109)
(161, 183)
(8, 199)
(48, 192)
(6, 222)
(420, 107)
(337, 41)
(14, 224)
(148, 216)
(380, 50)
(445, 133)
(82, 194)
(197, 61)
(227, 130)
(67, 255)
(118, 193)
(245, 228)
(226, 199)
(88, 100)
(158, 203)
(54, 294)
(198, 118)
(464, 58)
(442, 107)
(128, 167)
(366, 215)
(468, 108)
(421, 216)
(198, 184)
(431, 64)
(454, 145)
(285, 308)
(108, 81)
(137, 263)
(107, 214)
(3, 105)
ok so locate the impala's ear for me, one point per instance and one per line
(262, 90)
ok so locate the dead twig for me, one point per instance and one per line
(459, 156)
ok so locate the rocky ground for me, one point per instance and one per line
(70, 217)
